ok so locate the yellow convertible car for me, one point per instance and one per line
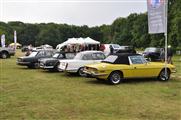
(116, 68)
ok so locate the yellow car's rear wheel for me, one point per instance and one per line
(115, 77)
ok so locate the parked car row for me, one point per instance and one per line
(115, 68)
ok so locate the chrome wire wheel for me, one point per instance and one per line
(80, 72)
(36, 65)
(164, 76)
(4, 55)
(115, 78)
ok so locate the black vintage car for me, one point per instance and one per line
(51, 64)
(31, 61)
(152, 53)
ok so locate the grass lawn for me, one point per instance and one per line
(36, 94)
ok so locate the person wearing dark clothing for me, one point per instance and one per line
(111, 49)
(162, 55)
(169, 55)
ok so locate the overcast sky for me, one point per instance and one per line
(76, 12)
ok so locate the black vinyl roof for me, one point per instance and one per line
(123, 58)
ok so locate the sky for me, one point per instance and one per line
(72, 12)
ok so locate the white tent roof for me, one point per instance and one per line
(80, 40)
(46, 45)
(89, 40)
(71, 41)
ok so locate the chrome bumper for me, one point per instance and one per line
(23, 63)
(46, 67)
(94, 74)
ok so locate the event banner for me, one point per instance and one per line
(15, 37)
(3, 40)
(156, 16)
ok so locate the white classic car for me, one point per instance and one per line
(77, 64)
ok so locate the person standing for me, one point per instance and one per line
(162, 55)
(111, 49)
(169, 55)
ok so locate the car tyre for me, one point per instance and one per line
(80, 72)
(115, 77)
(163, 77)
(4, 55)
(36, 65)
(56, 67)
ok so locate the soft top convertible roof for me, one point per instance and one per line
(123, 57)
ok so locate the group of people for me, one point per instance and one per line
(81, 47)
(169, 55)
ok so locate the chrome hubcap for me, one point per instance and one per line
(81, 73)
(4, 56)
(116, 78)
(164, 76)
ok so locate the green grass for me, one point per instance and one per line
(37, 95)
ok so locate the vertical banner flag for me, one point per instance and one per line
(15, 39)
(3, 40)
(156, 16)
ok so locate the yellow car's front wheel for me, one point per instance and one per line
(164, 75)
(115, 77)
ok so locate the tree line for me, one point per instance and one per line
(132, 30)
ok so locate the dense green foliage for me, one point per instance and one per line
(132, 30)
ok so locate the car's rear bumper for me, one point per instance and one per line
(46, 67)
(71, 70)
(95, 75)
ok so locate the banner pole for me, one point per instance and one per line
(166, 36)
(166, 54)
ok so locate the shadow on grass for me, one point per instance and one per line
(97, 82)
(23, 68)
(74, 75)
(140, 80)
(126, 81)
(48, 71)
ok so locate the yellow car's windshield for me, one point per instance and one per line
(110, 59)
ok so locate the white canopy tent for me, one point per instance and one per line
(89, 40)
(81, 41)
(46, 46)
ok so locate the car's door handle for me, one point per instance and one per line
(134, 67)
